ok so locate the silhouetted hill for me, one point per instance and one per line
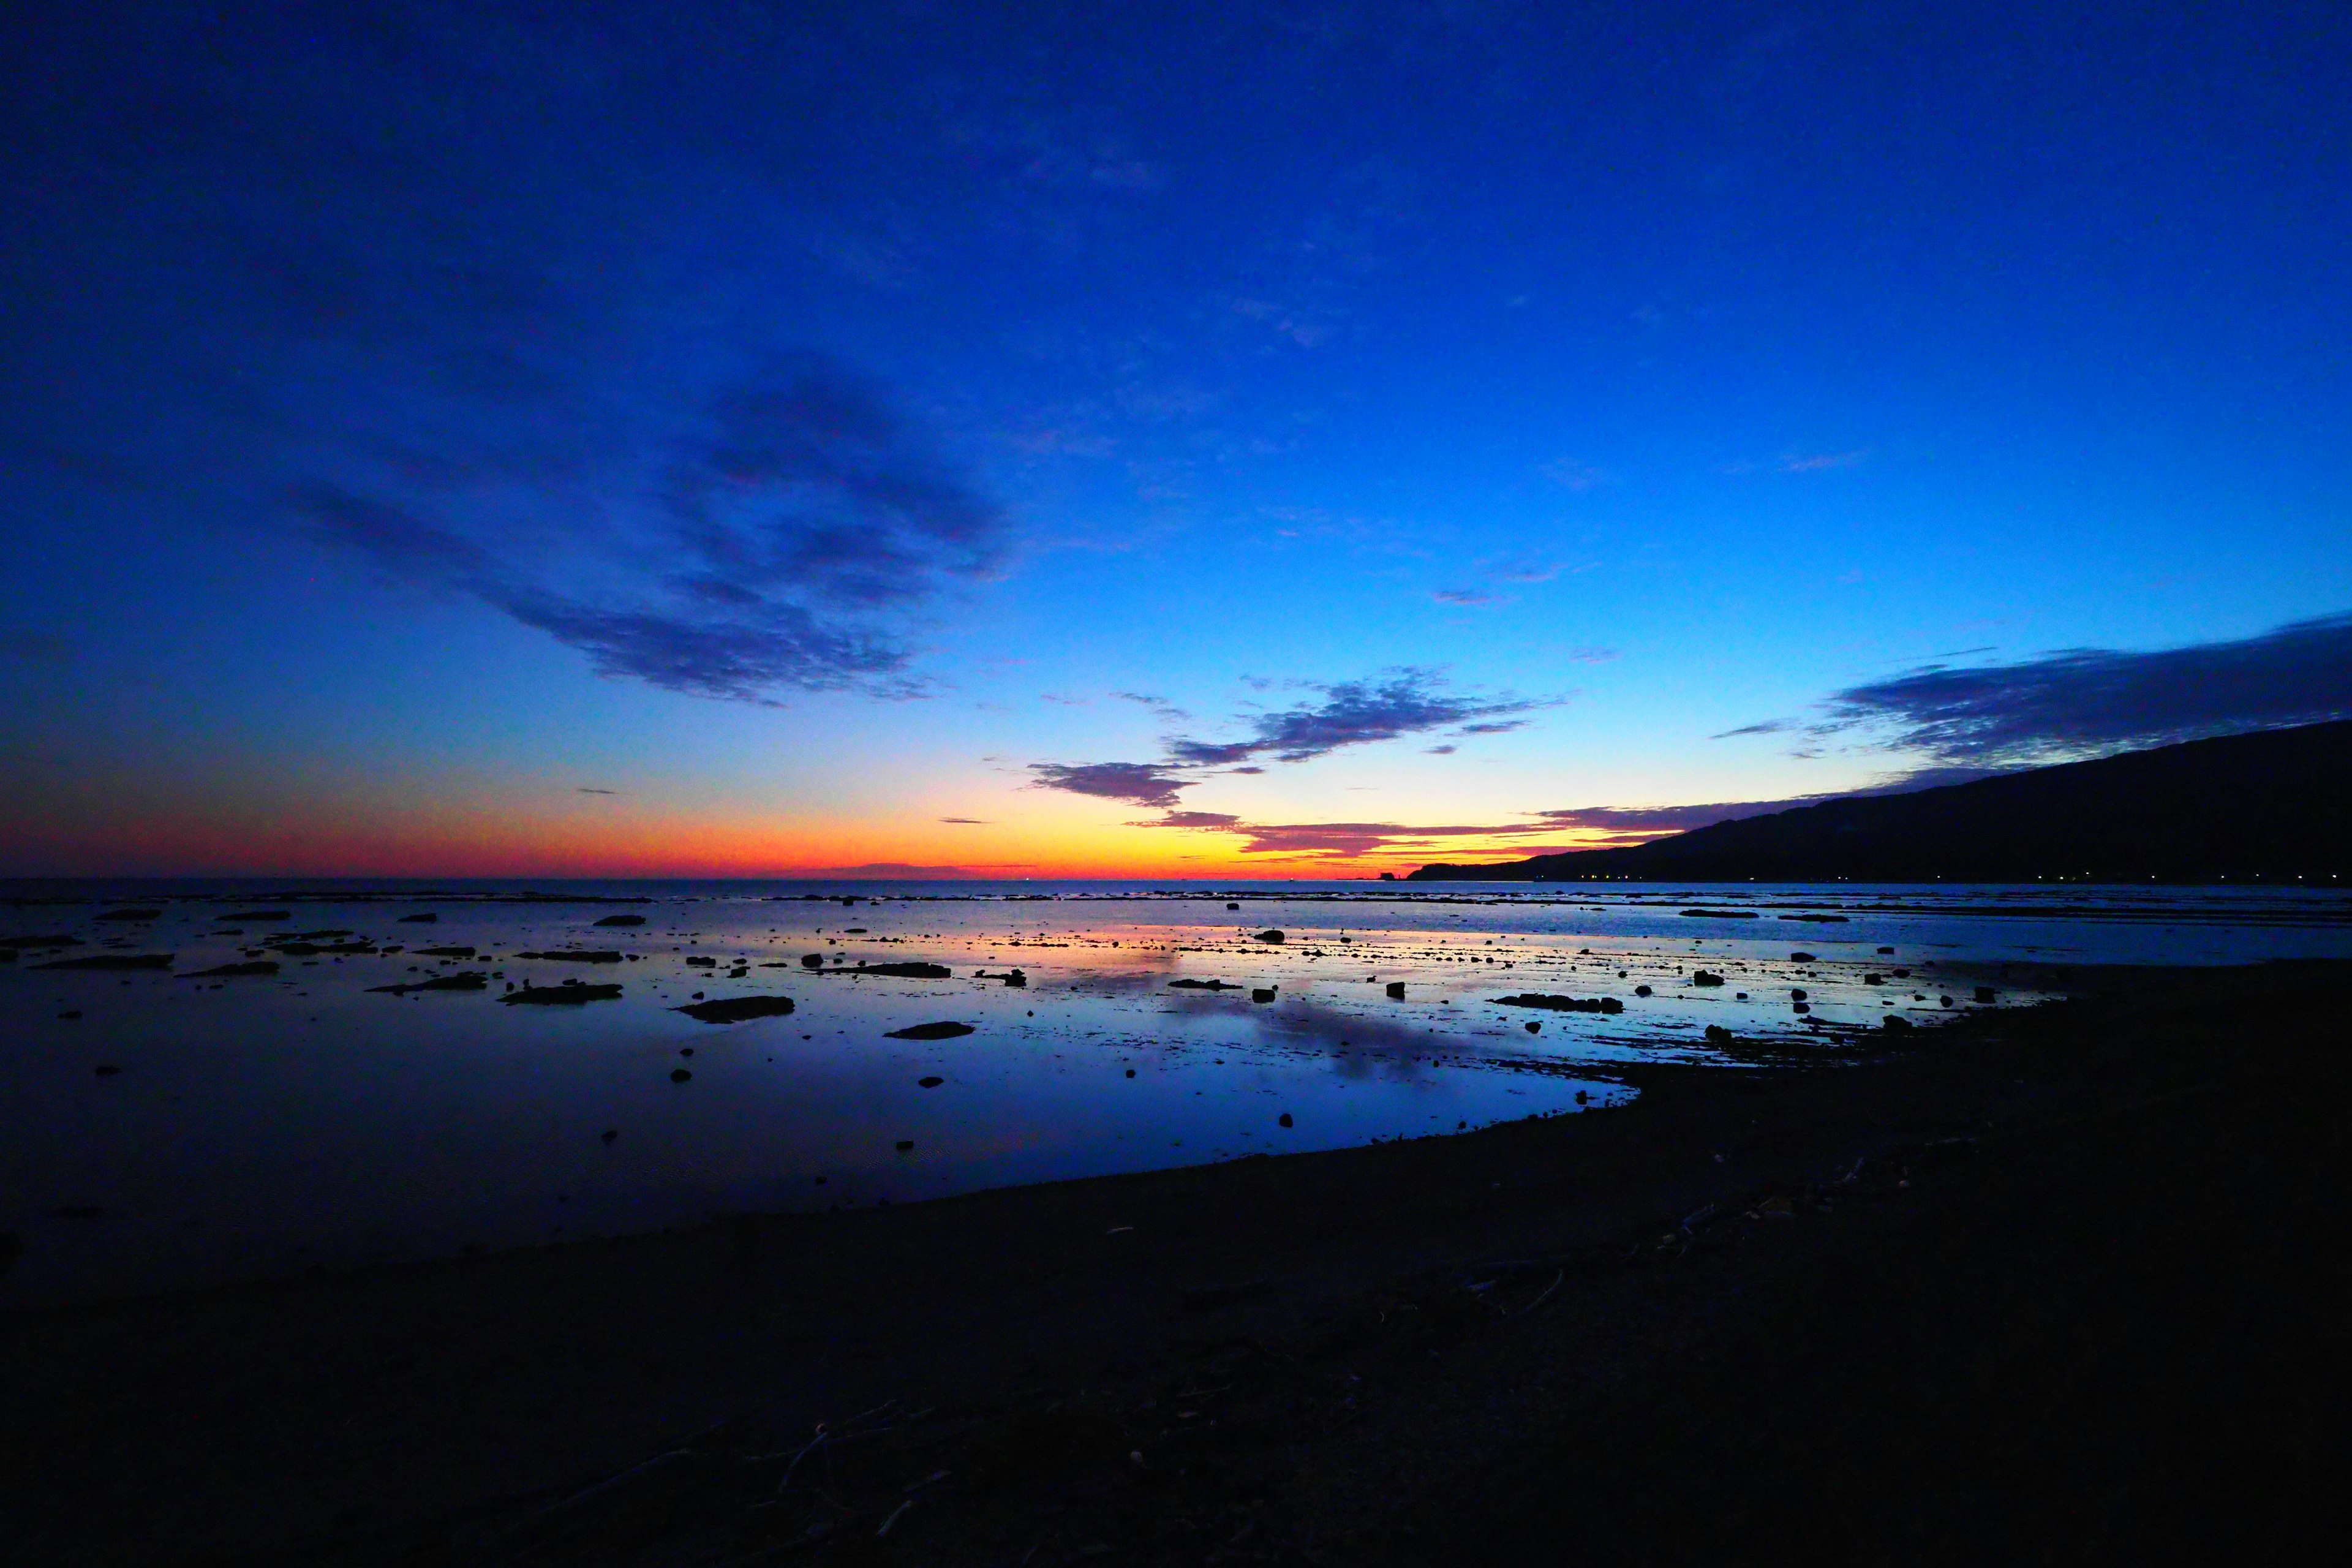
(2277, 804)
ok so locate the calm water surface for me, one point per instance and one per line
(257, 1125)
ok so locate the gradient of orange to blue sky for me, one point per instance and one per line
(1155, 440)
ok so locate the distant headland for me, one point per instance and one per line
(2272, 807)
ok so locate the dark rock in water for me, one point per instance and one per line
(736, 1009)
(466, 980)
(1395, 989)
(1012, 977)
(571, 994)
(1562, 1003)
(904, 1145)
(1873, 978)
(133, 915)
(680, 1075)
(37, 943)
(1895, 1021)
(1796, 993)
(7, 956)
(1902, 973)
(1533, 1028)
(12, 1248)
(1887, 950)
(1262, 994)
(1706, 977)
(700, 963)
(1717, 1035)
(576, 955)
(1800, 1006)
(1720, 914)
(1984, 993)
(446, 951)
(112, 961)
(1269, 936)
(70, 1013)
(426, 919)
(297, 948)
(242, 916)
(1582, 1098)
(1131, 1072)
(77, 1211)
(1641, 991)
(932, 1082)
(607, 1135)
(1283, 1120)
(1233, 906)
(930, 1032)
(1819, 920)
(621, 921)
(811, 960)
(106, 1069)
(899, 971)
(1202, 985)
(1801, 958)
(229, 971)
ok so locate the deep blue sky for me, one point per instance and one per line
(810, 428)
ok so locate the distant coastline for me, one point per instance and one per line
(2264, 807)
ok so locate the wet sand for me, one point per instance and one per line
(2078, 1265)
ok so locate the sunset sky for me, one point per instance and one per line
(1200, 440)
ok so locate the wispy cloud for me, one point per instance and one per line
(1353, 713)
(1575, 476)
(1817, 462)
(1405, 702)
(585, 789)
(2081, 702)
(1612, 824)
(790, 527)
(1463, 596)
(965, 821)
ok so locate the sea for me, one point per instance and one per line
(204, 1083)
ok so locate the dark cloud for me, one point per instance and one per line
(731, 659)
(786, 541)
(585, 789)
(1340, 841)
(386, 534)
(1621, 824)
(1352, 713)
(1357, 712)
(965, 821)
(808, 478)
(1158, 705)
(1138, 784)
(2085, 700)
(1198, 819)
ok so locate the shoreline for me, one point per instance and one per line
(381, 1415)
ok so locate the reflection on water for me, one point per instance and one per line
(162, 1128)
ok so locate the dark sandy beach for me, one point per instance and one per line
(2046, 1284)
